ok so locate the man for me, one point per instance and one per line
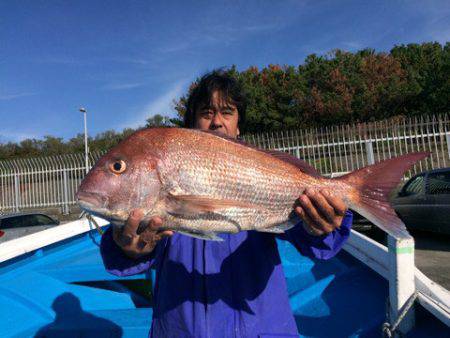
(233, 288)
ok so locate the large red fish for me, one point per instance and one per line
(202, 183)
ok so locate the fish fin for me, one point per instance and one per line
(373, 184)
(193, 204)
(272, 230)
(278, 229)
(304, 166)
(211, 236)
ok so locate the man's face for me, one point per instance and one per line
(219, 114)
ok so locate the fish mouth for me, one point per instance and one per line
(93, 203)
(91, 199)
(96, 205)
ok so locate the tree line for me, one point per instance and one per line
(336, 88)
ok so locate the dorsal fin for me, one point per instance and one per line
(285, 157)
(304, 166)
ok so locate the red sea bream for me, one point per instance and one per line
(201, 183)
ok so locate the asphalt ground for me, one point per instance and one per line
(432, 253)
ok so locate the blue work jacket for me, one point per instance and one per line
(232, 288)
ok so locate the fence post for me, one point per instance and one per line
(16, 192)
(66, 194)
(401, 280)
(369, 152)
(447, 136)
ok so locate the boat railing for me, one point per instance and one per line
(395, 263)
(19, 246)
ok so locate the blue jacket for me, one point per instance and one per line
(233, 288)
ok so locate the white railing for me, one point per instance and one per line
(42, 182)
(396, 264)
(349, 147)
(53, 181)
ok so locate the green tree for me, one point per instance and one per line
(53, 146)
(338, 87)
(158, 121)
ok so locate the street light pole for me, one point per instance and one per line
(86, 151)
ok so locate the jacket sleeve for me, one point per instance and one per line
(321, 247)
(117, 263)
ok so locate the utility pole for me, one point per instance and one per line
(86, 150)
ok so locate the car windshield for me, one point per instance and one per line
(439, 183)
(36, 220)
(25, 221)
(12, 222)
(43, 220)
(415, 186)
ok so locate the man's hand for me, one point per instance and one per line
(320, 211)
(135, 245)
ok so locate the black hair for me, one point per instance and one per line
(218, 80)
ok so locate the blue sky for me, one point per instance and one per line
(127, 60)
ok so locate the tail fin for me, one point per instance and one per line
(371, 187)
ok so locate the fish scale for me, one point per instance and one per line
(231, 174)
(233, 179)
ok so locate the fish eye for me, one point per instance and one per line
(118, 166)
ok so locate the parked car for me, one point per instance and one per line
(424, 201)
(22, 224)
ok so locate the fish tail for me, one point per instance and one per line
(370, 188)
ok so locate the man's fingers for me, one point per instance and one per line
(337, 203)
(325, 209)
(299, 211)
(138, 237)
(132, 223)
(155, 223)
(309, 226)
(152, 236)
(119, 238)
(311, 214)
(166, 233)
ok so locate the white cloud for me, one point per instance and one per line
(264, 27)
(436, 16)
(8, 136)
(14, 96)
(122, 86)
(161, 105)
(440, 34)
(221, 33)
(353, 45)
(62, 60)
(177, 46)
(136, 61)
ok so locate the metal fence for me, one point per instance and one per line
(53, 181)
(42, 182)
(338, 149)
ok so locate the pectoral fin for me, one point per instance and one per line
(211, 236)
(192, 204)
(279, 228)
